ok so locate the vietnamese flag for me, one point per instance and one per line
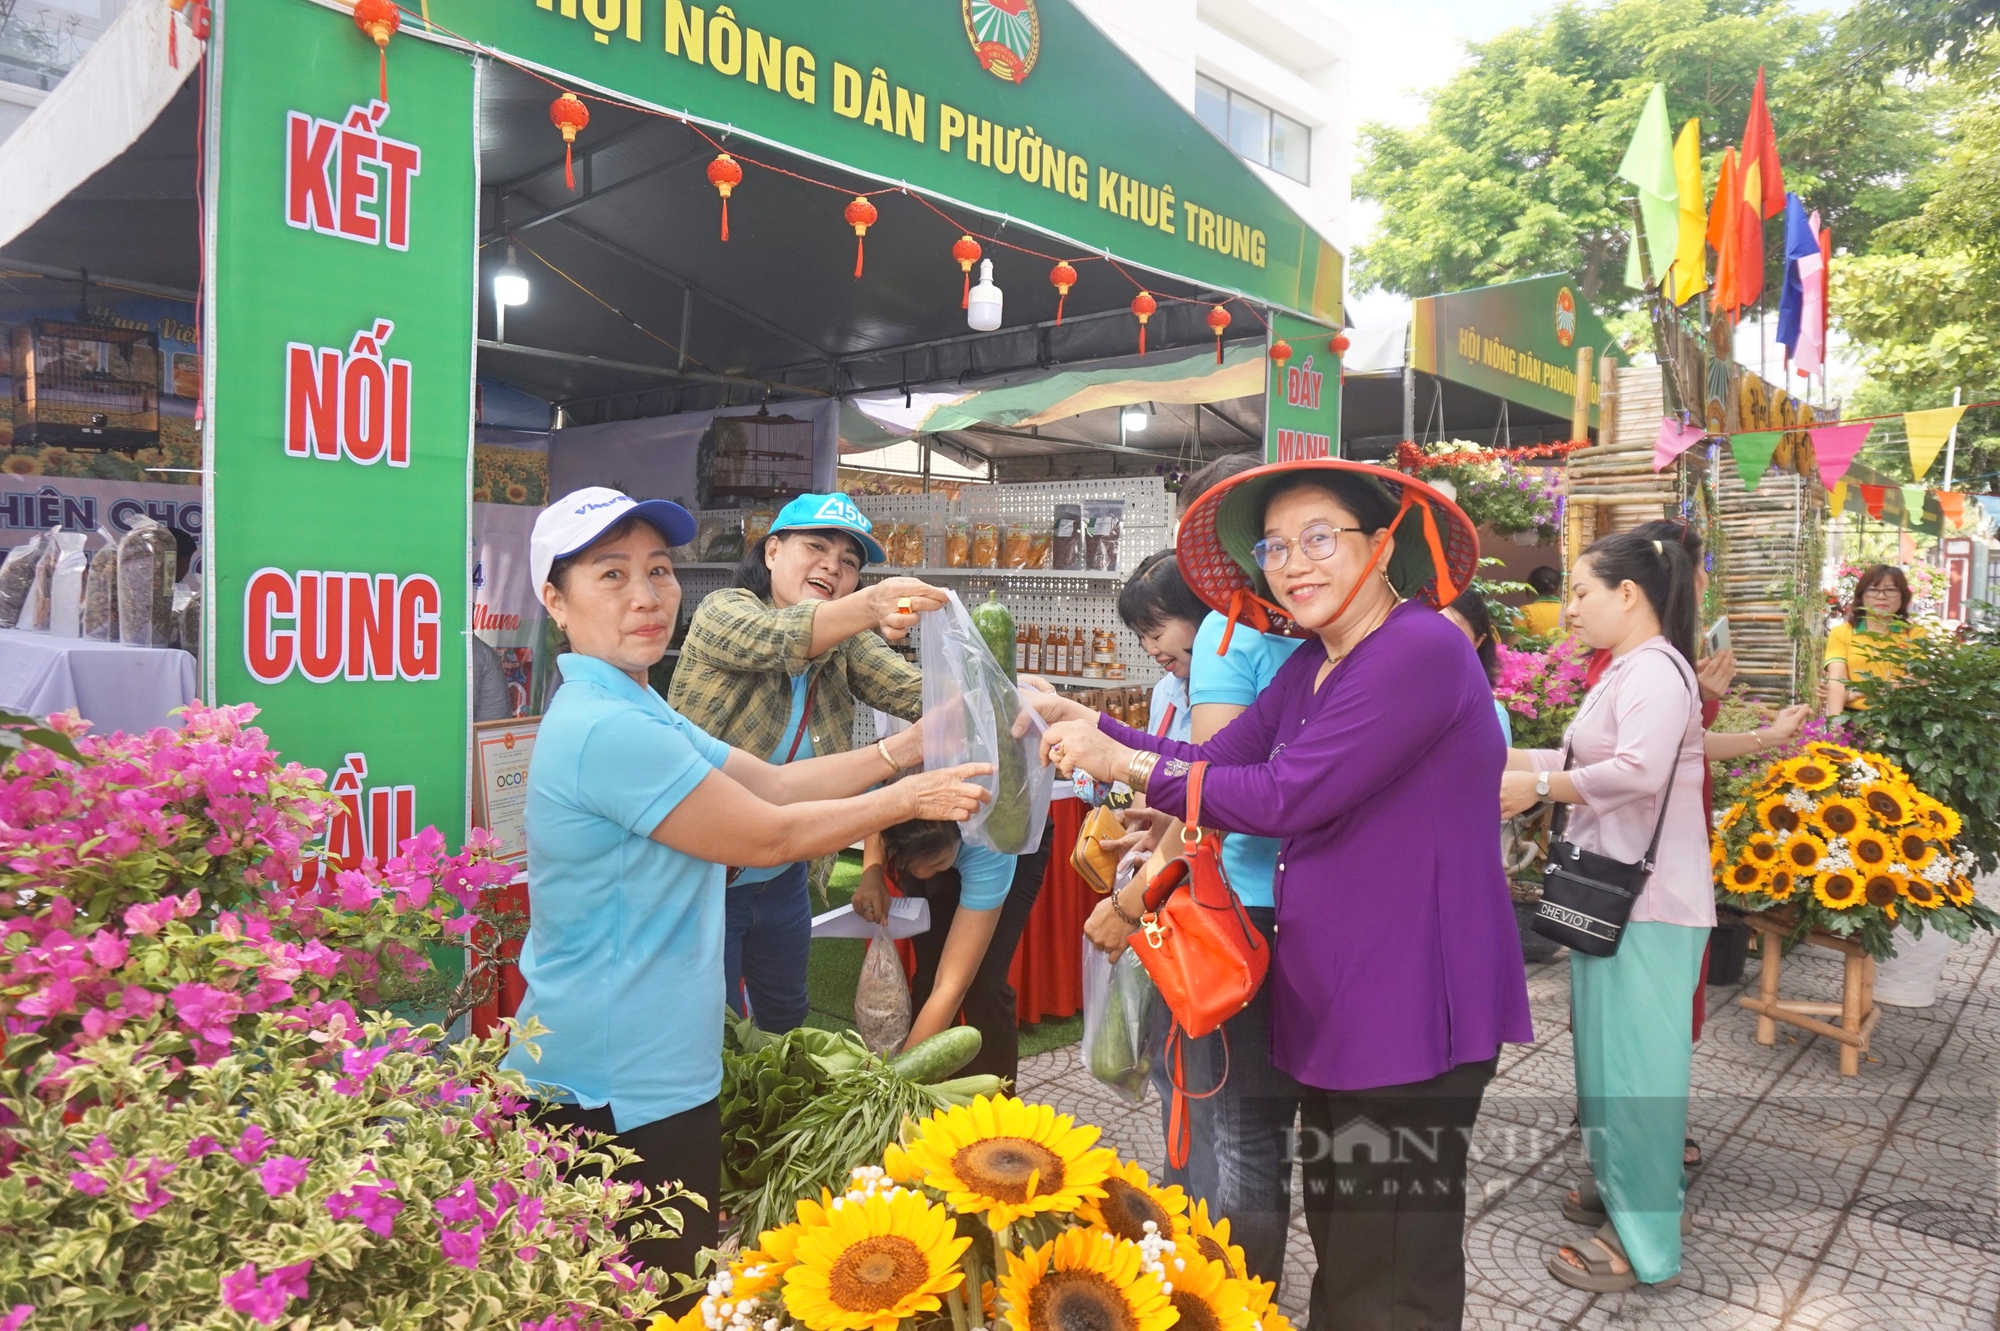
(1763, 193)
(1725, 219)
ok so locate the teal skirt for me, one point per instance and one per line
(1632, 1015)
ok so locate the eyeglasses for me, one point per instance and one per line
(1317, 542)
(1885, 589)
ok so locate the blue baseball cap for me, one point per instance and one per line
(834, 512)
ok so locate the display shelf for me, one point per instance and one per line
(892, 571)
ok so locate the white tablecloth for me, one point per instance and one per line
(113, 686)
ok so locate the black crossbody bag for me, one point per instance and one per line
(1587, 898)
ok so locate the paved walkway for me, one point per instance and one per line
(1827, 1203)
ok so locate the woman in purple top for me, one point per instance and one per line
(1396, 971)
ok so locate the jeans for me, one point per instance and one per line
(766, 939)
(989, 1003)
(1240, 1152)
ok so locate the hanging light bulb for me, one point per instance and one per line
(982, 303)
(510, 283)
(1135, 419)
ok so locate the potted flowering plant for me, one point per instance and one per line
(1497, 495)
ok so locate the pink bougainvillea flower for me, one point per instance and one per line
(88, 1184)
(264, 1300)
(16, 1317)
(369, 1204)
(250, 1148)
(282, 1173)
(203, 1145)
(460, 1206)
(462, 1249)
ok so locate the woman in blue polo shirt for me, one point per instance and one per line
(632, 811)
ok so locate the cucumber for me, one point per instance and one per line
(995, 623)
(1007, 820)
(965, 1090)
(938, 1057)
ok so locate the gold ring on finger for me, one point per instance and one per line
(902, 605)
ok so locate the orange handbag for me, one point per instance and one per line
(1204, 955)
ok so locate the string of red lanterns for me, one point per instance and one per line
(1143, 308)
(966, 250)
(1062, 277)
(1413, 459)
(569, 115)
(860, 215)
(725, 175)
(1218, 319)
(380, 19)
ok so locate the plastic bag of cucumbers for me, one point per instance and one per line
(970, 709)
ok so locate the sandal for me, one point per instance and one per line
(1584, 1205)
(1690, 1146)
(1596, 1274)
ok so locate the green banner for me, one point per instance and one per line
(1517, 340)
(1020, 108)
(1302, 401)
(339, 317)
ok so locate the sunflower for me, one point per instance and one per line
(1761, 848)
(1918, 892)
(1890, 803)
(1729, 817)
(1778, 884)
(1777, 815)
(1718, 854)
(1837, 754)
(1958, 890)
(1886, 765)
(1913, 847)
(1839, 815)
(1871, 850)
(1804, 852)
(763, 1268)
(1003, 1159)
(517, 493)
(1807, 773)
(1210, 1238)
(1083, 1280)
(22, 464)
(1207, 1297)
(1882, 889)
(1942, 819)
(1130, 1200)
(1838, 891)
(1744, 876)
(873, 1262)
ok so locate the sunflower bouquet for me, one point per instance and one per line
(1843, 840)
(993, 1215)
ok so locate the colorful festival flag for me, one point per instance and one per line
(1763, 193)
(1675, 439)
(1649, 164)
(1812, 315)
(1952, 504)
(1690, 271)
(1839, 504)
(1725, 221)
(1753, 454)
(1799, 242)
(1928, 431)
(1871, 499)
(1834, 447)
(1913, 504)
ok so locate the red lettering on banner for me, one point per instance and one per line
(1302, 386)
(312, 401)
(348, 179)
(1300, 445)
(372, 823)
(357, 626)
(357, 405)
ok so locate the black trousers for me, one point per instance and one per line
(684, 1149)
(1385, 1201)
(989, 1000)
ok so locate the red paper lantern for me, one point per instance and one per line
(1218, 319)
(568, 114)
(1143, 306)
(1340, 344)
(1281, 351)
(860, 215)
(725, 175)
(1062, 277)
(379, 19)
(966, 250)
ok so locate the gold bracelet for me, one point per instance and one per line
(1141, 770)
(882, 747)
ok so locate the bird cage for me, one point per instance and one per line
(762, 457)
(85, 385)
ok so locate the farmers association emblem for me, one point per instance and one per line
(1006, 35)
(1565, 317)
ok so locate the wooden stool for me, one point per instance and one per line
(1856, 1008)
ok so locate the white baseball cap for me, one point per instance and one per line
(581, 516)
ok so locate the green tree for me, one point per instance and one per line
(1514, 172)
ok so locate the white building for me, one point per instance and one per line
(1273, 78)
(39, 41)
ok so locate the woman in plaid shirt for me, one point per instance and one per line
(773, 665)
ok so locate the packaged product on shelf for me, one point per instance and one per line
(958, 546)
(1104, 526)
(35, 613)
(100, 591)
(1116, 670)
(1020, 649)
(17, 576)
(1104, 648)
(720, 536)
(757, 525)
(1040, 548)
(1015, 551)
(1068, 539)
(190, 622)
(985, 545)
(1078, 656)
(66, 584)
(1055, 651)
(146, 560)
(912, 545)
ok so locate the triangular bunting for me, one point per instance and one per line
(1991, 503)
(1753, 454)
(1835, 446)
(1913, 504)
(1871, 499)
(1952, 505)
(1675, 439)
(1839, 504)
(1928, 431)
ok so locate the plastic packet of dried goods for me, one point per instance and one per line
(1039, 548)
(882, 1013)
(146, 560)
(66, 584)
(970, 709)
(17, 577)
(985, 545)
(720, 536)
(1016, 550)
(1103, 527)
(958, 546)
(189, 613)
(35, 612)
(1069, 537)
(100, 591)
